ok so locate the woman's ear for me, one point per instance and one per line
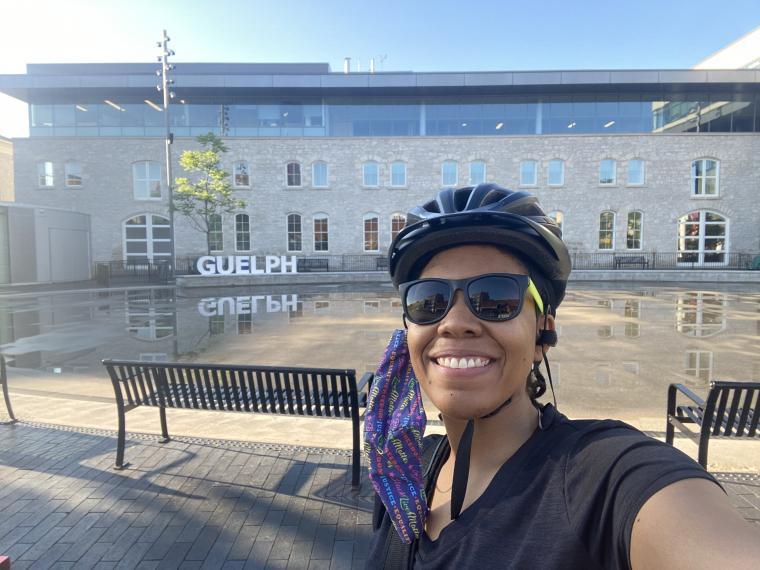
(546, 337)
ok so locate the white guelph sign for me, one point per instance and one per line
(210, 265)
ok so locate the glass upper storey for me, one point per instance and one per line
(404, 116)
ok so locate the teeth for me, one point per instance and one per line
(454, 362)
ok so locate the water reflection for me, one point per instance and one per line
(617, 350)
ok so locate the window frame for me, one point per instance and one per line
(219, 231)
(42, 173)
(287, 232)
(365, 164)
(562, 173)
(485, 172)
(288, 174)
(369, 216)
(238, 232)
(701, 251)
(535, 173)
(235, 174)
(147, 178)
(314, 166)
(599, 231)
(641, 230)
(394, 216)
(319, 216)
(694, 178)
(443, 173)
(150, 254)
(614, 172)
(66, 173)
(396, 163)
(643, 173)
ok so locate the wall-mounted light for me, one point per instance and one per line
(182, 101)
(609, 124)
(571, 125)
(464, 124)
(152, 105)
(83, 109)
(499, 126)
(112, 104)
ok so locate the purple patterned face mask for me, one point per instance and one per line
(394, 424)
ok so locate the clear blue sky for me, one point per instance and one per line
(422, 35)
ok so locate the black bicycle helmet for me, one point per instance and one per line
(484, 214)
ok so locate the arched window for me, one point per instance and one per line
(241, 174)
(319, 174)
(558, 217)
(477, 172)
(606, 230)
(555, 172)
(215, 233)
(147, 237)
(321, 233)
(528, 173)
(702, 238)
(398, 173)
(449, 173)
(293, 171)
(398, 221)
(700, 313)
(242, 232)
(704, 177)
(370, 174)
(634, 230)
(146, 180)
(295, 237)
(636, 172)
(371, 232)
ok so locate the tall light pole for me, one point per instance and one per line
(165, 88)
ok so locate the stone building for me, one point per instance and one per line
(634, 162)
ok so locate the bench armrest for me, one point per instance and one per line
(366, 380)
(688, 393)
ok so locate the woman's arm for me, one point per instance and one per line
(691, 524)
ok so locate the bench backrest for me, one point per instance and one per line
(732, 409)
(265, 389)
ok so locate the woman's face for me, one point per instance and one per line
(506, 350)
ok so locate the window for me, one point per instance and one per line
(242, 232)
(73, 174)
(398, 221)
(633, 233)
(321, 233)
(477, 172)
(555, 172)
(370, 174)
(702, 238)
(704, 177)
(699, 363)
(245, 323)
(45, 174)
(294, 232)
(294, 174)
(147, 237)
(607, 230)
(241, 175)
(398, 173)
(528, 173)
(558, 217)
(371, 238)
(449, 173)
(636, 172)
(319, 174)
(607, 172)
(215, 233)
(700, 313)
(146, 180)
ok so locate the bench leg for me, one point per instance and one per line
(671, 411)
(704, 442)
(121, 439)
(164, 428)
(356, 458)
(4, 382)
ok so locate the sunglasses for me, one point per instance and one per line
(491, 297)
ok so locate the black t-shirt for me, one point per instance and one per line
(566, 499)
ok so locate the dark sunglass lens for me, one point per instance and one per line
(427, 301)
(495, 298)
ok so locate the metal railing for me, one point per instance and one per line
(109, 273)
(657, 260)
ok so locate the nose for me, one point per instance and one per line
(460, 321)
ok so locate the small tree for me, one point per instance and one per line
(211, 193)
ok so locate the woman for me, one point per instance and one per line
(515, 484)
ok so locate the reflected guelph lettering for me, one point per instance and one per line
(209, 265)
(248, 305)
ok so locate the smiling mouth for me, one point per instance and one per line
(465, 362)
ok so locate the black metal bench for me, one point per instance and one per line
(4, 384)
(732, 411)
(382, 263)
(621, 260)
(321, 392)
(312, 264)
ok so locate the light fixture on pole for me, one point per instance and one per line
(165, 88)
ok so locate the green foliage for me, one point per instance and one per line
(207, 191)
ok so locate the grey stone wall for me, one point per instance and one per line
(6, 170)
(106, 193)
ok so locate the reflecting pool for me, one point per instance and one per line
(618, 349)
